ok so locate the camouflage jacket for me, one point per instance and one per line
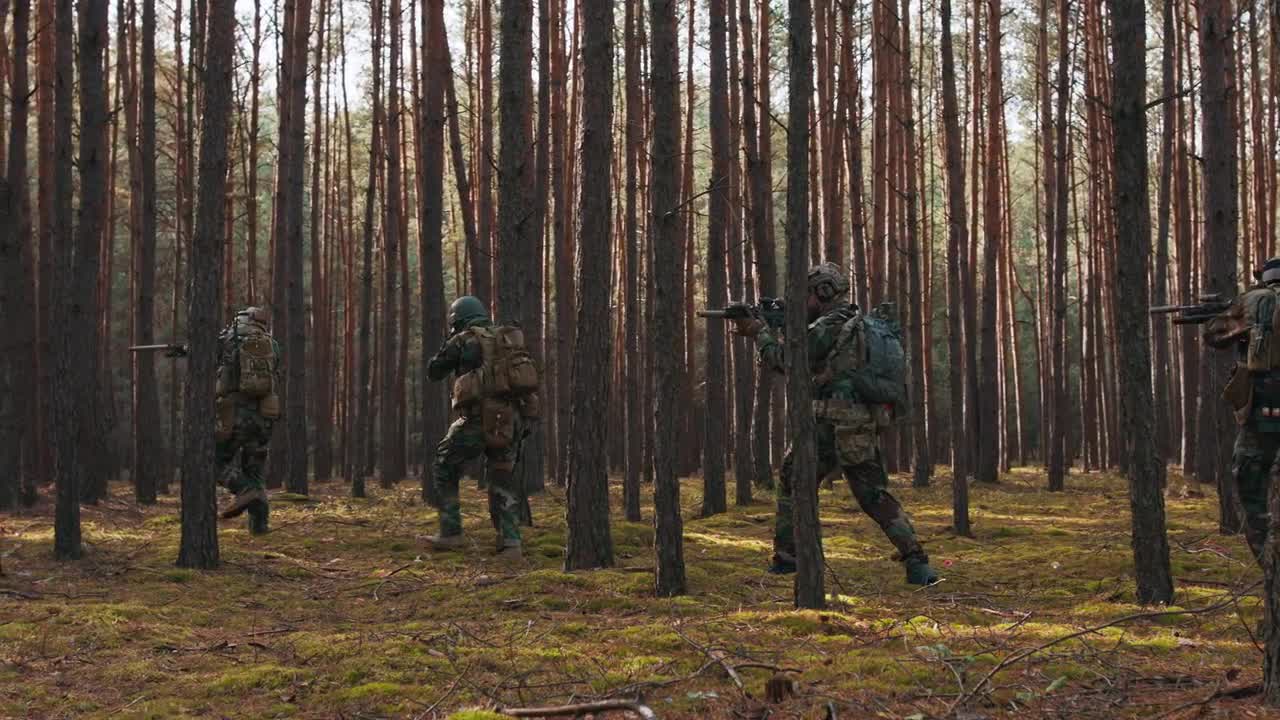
(822, 336)
(460, 354)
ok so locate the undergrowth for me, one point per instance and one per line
(342, 611)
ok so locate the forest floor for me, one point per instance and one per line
(342, 612)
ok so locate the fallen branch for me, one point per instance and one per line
(571, 710)
(718, 657)
(1017, 657)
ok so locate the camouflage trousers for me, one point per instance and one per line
(250, 437)
(463, 443)
(1255, 460)
(854, 448)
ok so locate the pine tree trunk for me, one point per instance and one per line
(431, 219)
(634, 378)
(589, 543)
(91, 219)
(199, 547)
(1160, 293)
(17, 287)
(66, 415)
(1133, 246)
(761, 234)
(668, 293)
(364, 414)
(1060, 425)
(922, 465)
(1221, 180)
(957, 244)
(714, 438)
(390, 430)
(809, 591)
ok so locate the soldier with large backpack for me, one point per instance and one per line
(1251, 326)
(247, 406)
(495, 396)
(859, 381)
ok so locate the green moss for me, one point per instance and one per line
(256, 677)
(368, 690)
(477, 715)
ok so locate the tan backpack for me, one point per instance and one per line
(507, 370)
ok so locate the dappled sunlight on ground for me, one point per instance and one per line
(343, 611)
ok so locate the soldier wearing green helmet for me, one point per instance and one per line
(491, 419)
(847, 425)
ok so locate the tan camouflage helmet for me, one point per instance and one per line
(254, 314)
(827, 282)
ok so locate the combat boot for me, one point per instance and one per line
(440, 541)
(510, 553)
(242, 501)
(782, 563)
(919, 572)
(258, 518)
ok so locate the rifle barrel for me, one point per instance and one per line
(712, 313)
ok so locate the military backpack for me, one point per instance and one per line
(869, 352)
(507, 371)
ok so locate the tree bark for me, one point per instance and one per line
(988, 431)
(431, 219)
(668, 292)
(589, 543)
(810, 566)
(17, 288)
(1133, 255)
(922, 466)
(66, 417)
(714, 440)
(957, 244)
(1221, 180)
(199, 546)
(634, 379)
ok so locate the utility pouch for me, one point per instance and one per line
(1265, 403)
(498, 419)
(467, 389)
(269, 407)
(1239, 394)
(529, 405)
(224, 421)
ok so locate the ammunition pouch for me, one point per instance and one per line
(224, 422)
(498, 420)
(269, 406)
(1264, 410)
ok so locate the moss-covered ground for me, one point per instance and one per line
(342, 611)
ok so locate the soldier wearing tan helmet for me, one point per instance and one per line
(247, 406)
(847, 426)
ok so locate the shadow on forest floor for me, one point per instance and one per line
(341, 611)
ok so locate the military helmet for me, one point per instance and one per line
(1269, 272)
(464, 310)
(254, 314)
(827, 281)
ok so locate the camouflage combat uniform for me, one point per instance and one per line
(1255, 459)
(465, 441)
(250, 432)
(846, 436)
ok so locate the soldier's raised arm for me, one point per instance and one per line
(1229, 328)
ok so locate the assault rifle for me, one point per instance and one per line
(772, 311)
(1210, 306)
(171, 350)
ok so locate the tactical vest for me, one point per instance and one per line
(1261, 359)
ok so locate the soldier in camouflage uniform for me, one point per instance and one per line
(244, 422)
(846, 431)
(465, 441)
(1249, 326)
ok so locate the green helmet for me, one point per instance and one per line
(827, 282)
(464, 310)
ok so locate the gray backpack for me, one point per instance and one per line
(870, 347)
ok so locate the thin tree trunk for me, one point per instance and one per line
(810, 566)
(668, 293)
(1133, 246)
(199, 547)
(923, 461)
(714, 437)
(957, 242)
(634, 379)
(589, 543)
(431, 218)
